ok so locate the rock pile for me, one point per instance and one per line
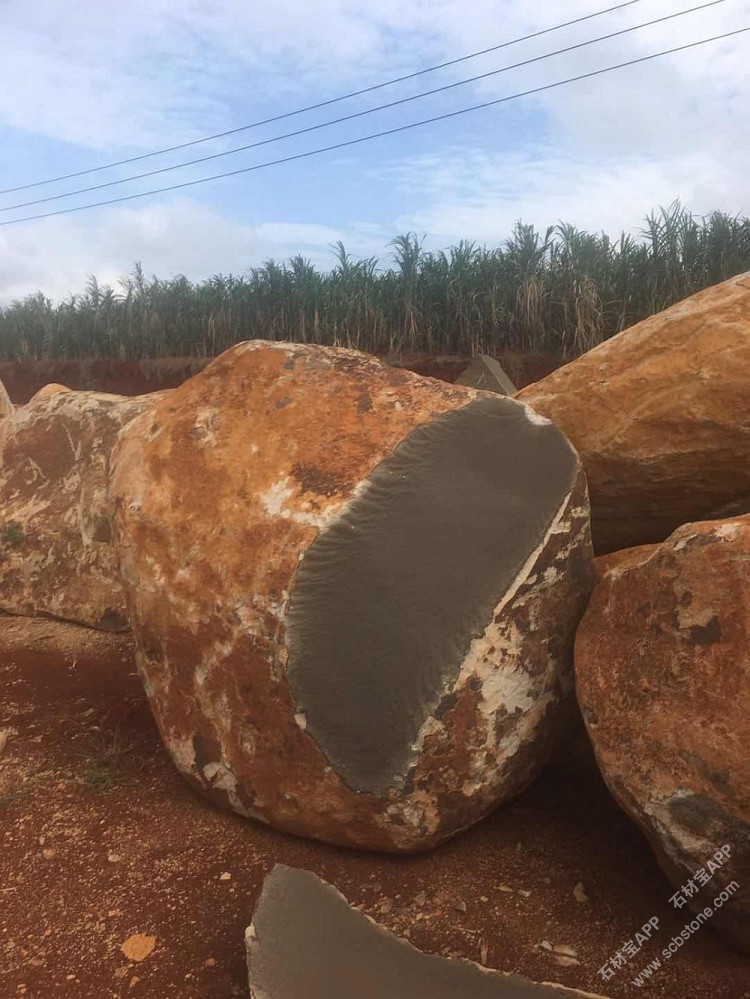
(353, 590)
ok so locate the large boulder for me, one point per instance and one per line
(660, 415)
(353, 590)
(307, 942)
(663, 680)
(56, 558)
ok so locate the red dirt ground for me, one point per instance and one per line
(23, 378)
(101, 839)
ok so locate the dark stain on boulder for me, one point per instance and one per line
(706, 634)
(206, 751)
(314, 480)
(112, 620)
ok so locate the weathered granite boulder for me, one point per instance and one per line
(6, 406)
(307, 942)
(353, 590)
(660, 415)
(663, 679)
(55, 553)
(487, 374)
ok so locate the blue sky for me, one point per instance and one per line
(84, 84)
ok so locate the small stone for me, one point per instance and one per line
(49, 853)
(461, 906)
(225, 876)
(114, 858)
(386, 906)
(579, 893)
(138, 946)
(134, 981)
(122, 971)
(420, 899)
(566, 950)
(545, 945)
(209, 962)
(565, 961)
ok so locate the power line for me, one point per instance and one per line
(389, 131)
(326, 103)
(361, 114)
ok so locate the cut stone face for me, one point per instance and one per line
(410, 574)
(306, 942)
(487, 374)
(658, 415)
(663, 680)
(353, 590)
(55, 554)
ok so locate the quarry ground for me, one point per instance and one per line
(102, 841)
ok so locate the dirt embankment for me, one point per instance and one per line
(23, 378)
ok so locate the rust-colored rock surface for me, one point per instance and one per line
(353, 590)
(663, 680)
(56, 558)
(50, 389)
(622, 559)
(660, 415)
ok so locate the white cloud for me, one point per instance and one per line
(479, 196)
(178, 237)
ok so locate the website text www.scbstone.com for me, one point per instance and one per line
(701, 878)
(689, 929)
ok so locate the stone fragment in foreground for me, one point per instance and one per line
(353, 590)
(307, 942)
(6, 406)
(663, 679)
(659, 416)
(487, 374)
(56, 559)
